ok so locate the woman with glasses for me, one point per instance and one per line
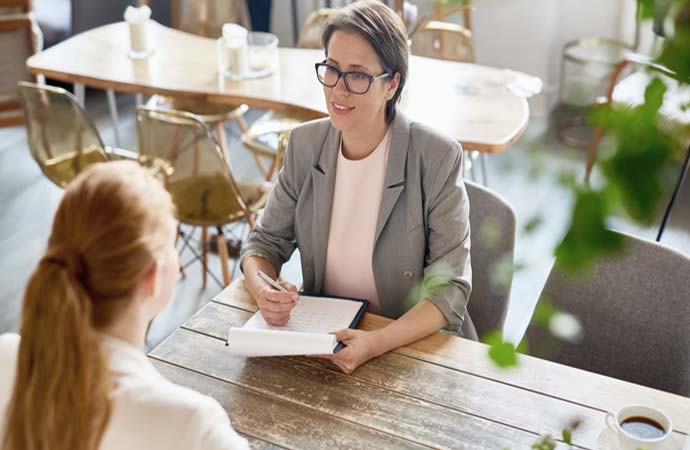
(373, 201)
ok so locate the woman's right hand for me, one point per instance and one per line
(275, 306)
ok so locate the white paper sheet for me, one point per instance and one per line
(307, 332)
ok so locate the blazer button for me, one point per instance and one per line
(408, 275)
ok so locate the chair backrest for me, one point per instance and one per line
(492, 222)
(62, 138)
(634, 308)
(16, 45)
(449, 14)
(181, 146)
(206, 17)
(442, 40)
(310, 36)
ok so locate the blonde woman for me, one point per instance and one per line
(78, 378)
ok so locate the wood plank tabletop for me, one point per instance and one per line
(442, 392)
(470, 102)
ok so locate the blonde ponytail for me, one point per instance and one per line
(109, 228)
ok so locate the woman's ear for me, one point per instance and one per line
(149, 282)
(393, 86)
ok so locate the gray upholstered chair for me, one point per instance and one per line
(634, 308)
(492, 223)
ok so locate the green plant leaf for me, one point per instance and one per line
(676, 48)
(502, 353)
(533, 224)
(543, 312)
(544, 443)
(587, 237)
(646, 9)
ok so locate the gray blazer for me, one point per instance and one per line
(423, 221)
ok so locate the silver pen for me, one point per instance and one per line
(273, 283)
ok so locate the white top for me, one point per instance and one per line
(356, 201)
(149, 412)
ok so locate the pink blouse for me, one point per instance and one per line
(356, 202)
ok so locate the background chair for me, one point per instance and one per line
(450, 42)
(492, 221)
(180, 145)
(310, 36)
(206, 18)
(586, 65)
(442, 40)
(62, 138)
(630, 91)
(634, 311)
(267, 137)
(19, 39)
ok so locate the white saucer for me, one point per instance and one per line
(607, 441)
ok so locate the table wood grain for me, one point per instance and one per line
(441, 392)
(467, 101)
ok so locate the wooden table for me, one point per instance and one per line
(468, 101)
(441, 392)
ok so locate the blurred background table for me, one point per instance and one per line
(469, 102)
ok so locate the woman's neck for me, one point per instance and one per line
(130, 327)
(360, 143)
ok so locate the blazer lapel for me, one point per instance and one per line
(395, 171)
(323, 176)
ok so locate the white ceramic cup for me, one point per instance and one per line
(629, 442)
(138, 20)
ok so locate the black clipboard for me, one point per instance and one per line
(355, 321)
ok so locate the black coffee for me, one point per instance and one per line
(643, 428)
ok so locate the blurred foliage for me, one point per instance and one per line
(675, 53)
(545, 443)
(543, 312)
(646, 9)
(502, 352)
(436, 280)
(645, 150)
(641, 162)
(587, 236)
(533, 224)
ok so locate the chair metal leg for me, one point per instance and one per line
(139, 99)
(223, 141)
(672, 201)
(80, 92)
(485, 163)
(177, 237)
(187, 244)
(204, 255)
(223, 255)
(112, 105)
(469, 160)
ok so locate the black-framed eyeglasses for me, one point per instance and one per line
(355, 82)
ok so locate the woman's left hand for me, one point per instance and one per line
(359, 347)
